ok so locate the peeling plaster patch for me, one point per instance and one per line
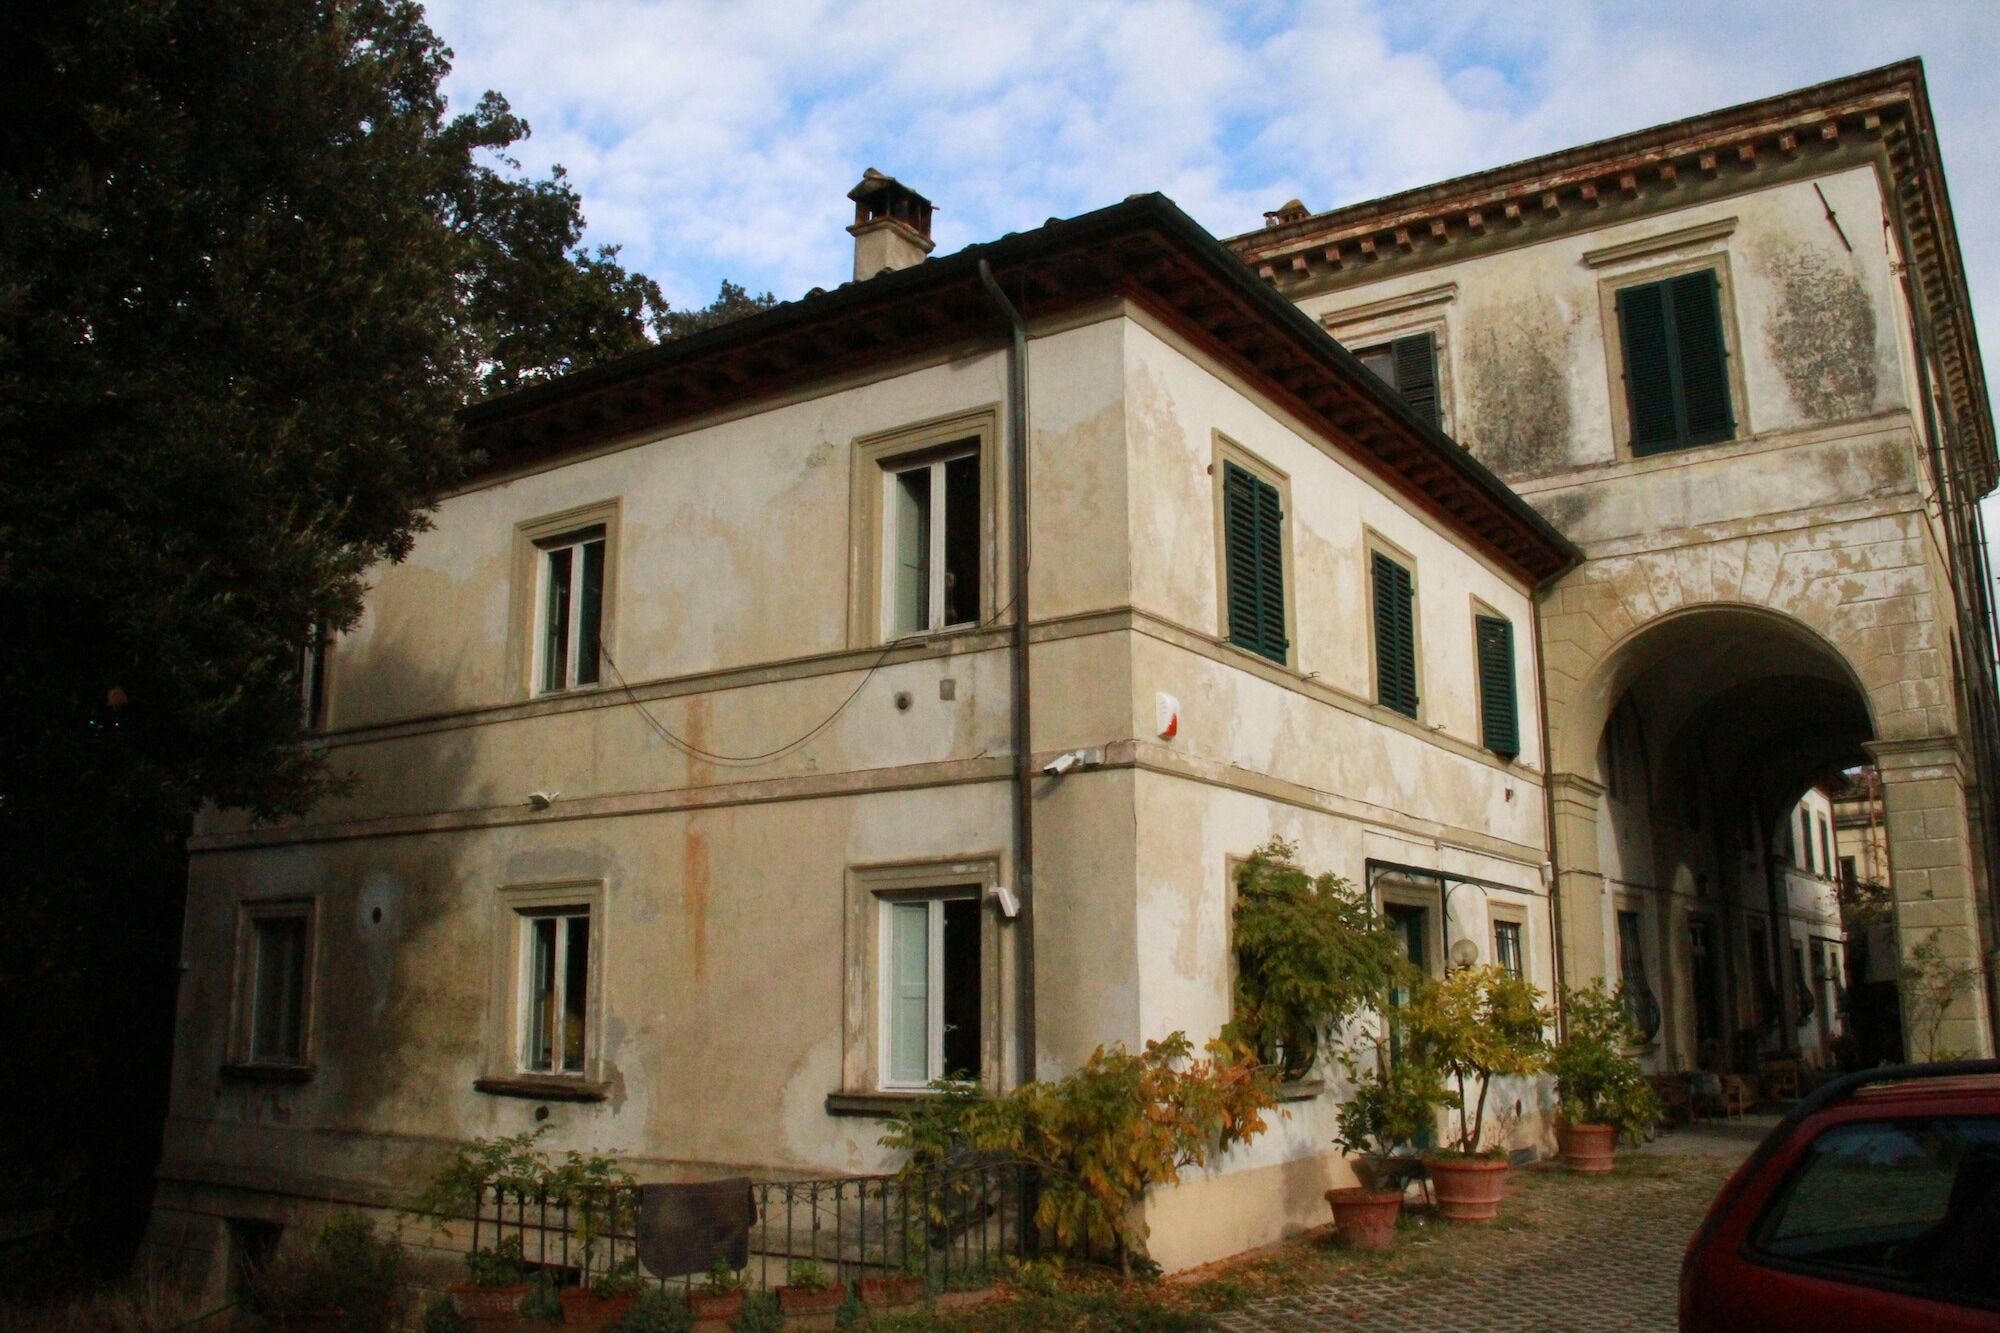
(1823, 336)
(1517, 393)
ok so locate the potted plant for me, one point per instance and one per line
(494, 1283)
(1600, 1090)
(721, 1294)
(891, 1291)
(541, 1305)
(1389, 1108)
(1311, 953)
(809, 1291)
(603, 1303)
(657, 1310)
(1474, 1025)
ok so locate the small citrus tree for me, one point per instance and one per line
(1477, 1023)
(1102, 1136)
(1597, 1082)
(1311, 953)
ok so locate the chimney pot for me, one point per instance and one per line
(892, 225)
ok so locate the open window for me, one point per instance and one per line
(924, 978)
(545, 1033)
(926, 546)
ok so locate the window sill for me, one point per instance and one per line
(542, 1088)
(1300, 1089)
(875, 1105)
(255, 1072)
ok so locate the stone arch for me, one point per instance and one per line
(1693, 634)
(1863, 590)
(1800, 651)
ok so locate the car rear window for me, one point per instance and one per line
(1913, 1204)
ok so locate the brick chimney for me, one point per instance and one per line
(892, 225)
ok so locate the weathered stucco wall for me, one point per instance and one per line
(1530, 385)
(726, 952)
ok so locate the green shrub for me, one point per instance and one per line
(806, 1276)
(499, 1266)
(1102, 1136)
(722, 1279)
(657, 1311)
(760, 1315)
(1311, 953)
(441, 1316)
(1597, 1082)
(346, 1267)
(541, 1305)
(1393, 1103)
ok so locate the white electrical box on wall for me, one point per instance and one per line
(1166, 716)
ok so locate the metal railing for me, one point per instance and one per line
(952, 1227)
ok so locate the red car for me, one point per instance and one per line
(1875, 1204)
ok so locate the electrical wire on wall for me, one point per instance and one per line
(694, 751)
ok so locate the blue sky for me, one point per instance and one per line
(718, 138)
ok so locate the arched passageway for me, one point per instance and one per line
(1689, 867)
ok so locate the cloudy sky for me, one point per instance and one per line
(717, 140)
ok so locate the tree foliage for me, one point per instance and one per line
(1101, 1137)
(1311, 953)
(1476, 1024)
(731, 303)
(250, 269)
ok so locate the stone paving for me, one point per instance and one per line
(1569, 1254)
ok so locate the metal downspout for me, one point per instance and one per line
(1549, 827)
(1024, 775)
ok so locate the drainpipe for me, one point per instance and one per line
(1549, 828)
(1024, 773)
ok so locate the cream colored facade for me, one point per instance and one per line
(1757, 612)
(764, 770)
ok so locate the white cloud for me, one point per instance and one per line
(715, 139)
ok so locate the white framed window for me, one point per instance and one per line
(544, 1029)
(932, 988)
(554, 989)
(570, 619)
(275, 944)
(931, 534)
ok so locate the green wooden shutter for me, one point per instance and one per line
(1416, 374)
(1395, 636)
(1253, 521)
(1676, 362)
(1499, 717)
(1703, 361)
(1649, 370)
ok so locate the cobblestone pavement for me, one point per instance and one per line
(1569, 1253)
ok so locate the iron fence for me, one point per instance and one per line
(950, 1227)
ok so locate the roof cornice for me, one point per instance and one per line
(1882, 117)
(1144, 250)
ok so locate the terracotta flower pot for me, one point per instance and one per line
(489, 1305)
(584, 1308)
(813, 1307)
(1469, 1189)
(1589, 1150)
(889, 1293)
(718, 1305)
(1365, 1219)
